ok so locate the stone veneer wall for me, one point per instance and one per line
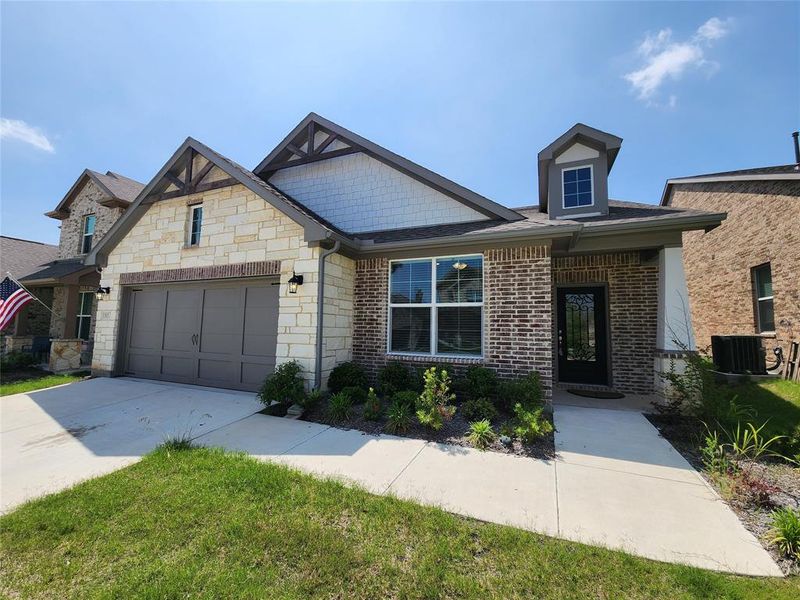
(85, 203)
(238, 227)
(763, 225)
(632, 307)
(517, 315)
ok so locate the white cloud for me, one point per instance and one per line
(666, 59)
(19, 130)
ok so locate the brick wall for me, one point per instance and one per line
(85, 203)
(763, 225)
(340, 189)
(517, 315)
(633, 311)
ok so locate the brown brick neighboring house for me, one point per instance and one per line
(744, 276)
(87, 212)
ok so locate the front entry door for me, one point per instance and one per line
(582, 335)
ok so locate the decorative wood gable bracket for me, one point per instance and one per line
(303, 149)
(187, 182)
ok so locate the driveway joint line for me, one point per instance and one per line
(572, 464)
(403, 470)
(197, 437)
(308, 439)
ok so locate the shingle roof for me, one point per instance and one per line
(57, 269)
(22, 257)
(123, 188)
(773, 173)
(619, 212)
(774, 170)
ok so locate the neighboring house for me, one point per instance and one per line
(214, 271)
(19, 258)
(87, 212)
(744, 277)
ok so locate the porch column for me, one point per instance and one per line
(674, 314)
(70, 311)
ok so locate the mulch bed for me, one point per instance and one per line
(686, 435)
(22, 374)
(453, 432)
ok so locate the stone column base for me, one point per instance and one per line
(16, 343)
(65, 355)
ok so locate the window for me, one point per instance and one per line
(196, 223)
(577, 186)
(83, 322)
(88, 234)
(436, 306)
(765, 312)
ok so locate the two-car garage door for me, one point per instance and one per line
(221, 334)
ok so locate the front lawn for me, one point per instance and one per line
(38, 381)
(201, 523)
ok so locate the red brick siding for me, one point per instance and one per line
(763, 225)
(633, 311)
(253, 269)
(517, 315)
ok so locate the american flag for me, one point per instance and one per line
(12, 299)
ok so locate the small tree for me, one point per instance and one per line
(284, 385)
(433, 405)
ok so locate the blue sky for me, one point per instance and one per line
(472, 91)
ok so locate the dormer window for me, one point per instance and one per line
(576, 184)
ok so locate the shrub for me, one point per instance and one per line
(526, 391)
(347, 374)
(480, 382)
(311, 400)
(751, 490)
(398, 417)
(530, 424)
(433, 404)
(479, 409)
(407, 397)
(481, 434)
(785, 532)
(372, 406)
(339, 407)
(393, 378)
(17, 360)
(284, 385)
(357, 394)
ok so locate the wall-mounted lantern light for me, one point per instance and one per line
(295, 281)
(102, 292)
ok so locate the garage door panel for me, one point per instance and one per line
(181, 323)
(219, 335)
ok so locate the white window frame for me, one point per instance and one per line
(81, 315)
(84, 235)
(760, 299)
(433, 305)
(192, 209)
(591, 179)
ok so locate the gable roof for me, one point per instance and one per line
(316, 228)
(773, 173)
(120, 191)
(23, 257)
(296, 145)
(578, 133)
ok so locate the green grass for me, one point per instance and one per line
(200, 523)
(776, 402)
(38, 383)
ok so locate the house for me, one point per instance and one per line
(19, 258)
(333, 248)
(88, 210)
(744, 277)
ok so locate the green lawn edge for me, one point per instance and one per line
(203, 523)
(39, 383)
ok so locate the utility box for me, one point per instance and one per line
(740, 354)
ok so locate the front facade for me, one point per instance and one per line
(754, 255)
(335, 249)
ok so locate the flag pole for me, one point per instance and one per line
(11, 277)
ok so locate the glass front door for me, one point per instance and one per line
(582, 335)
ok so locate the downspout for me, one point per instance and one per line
(320, 312)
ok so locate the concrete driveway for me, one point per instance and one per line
(51, 439)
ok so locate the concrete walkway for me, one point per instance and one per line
(616, 483)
